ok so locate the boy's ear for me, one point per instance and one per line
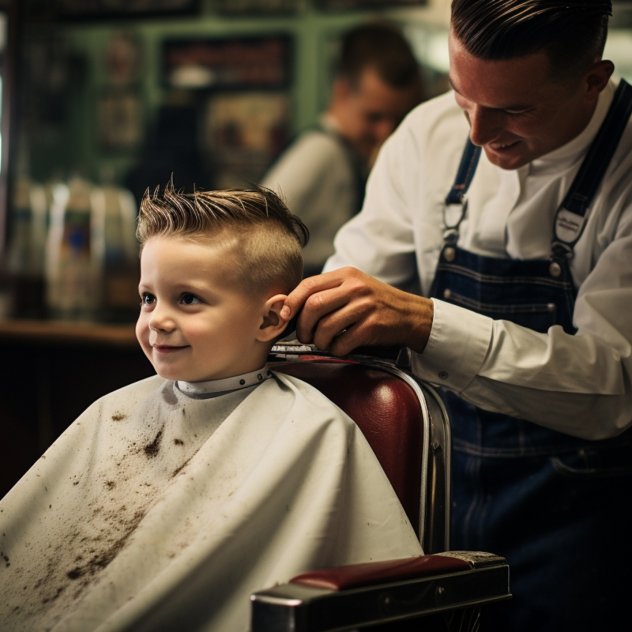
(272, 324)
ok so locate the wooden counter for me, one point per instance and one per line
(51, 371)
(41, 331)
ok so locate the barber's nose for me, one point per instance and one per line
(485, 124)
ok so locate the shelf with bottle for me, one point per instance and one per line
(72, 253)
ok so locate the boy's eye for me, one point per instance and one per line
(189, 299)
(146, 298)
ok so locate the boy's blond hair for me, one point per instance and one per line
(267, 238)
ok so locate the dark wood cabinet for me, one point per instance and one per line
(50, 373)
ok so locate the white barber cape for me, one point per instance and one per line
(162, 509)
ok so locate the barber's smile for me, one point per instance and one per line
(501, 147)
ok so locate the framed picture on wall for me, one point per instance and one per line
(246, 62)
(120, 120)
(105, 9)
(123, 58)
(244, 132)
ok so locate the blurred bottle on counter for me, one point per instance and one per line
(115, 245)
(25, 252)
(73, 264)
(72, 252)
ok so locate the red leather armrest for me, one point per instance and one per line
(368, 573)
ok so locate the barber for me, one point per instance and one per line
(509, 202)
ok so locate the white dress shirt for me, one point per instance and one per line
(578, 384)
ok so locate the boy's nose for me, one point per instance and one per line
(161, 320)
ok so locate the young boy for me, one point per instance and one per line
(168, 502)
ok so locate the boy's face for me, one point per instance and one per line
(195, 324)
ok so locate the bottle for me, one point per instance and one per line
(25, 251)
(73, 264)
(114, 230)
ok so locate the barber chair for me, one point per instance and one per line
(406, 424)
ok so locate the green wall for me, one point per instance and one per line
(75, 147)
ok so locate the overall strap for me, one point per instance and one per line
(571, 216)
(467, 168)
(456, 195)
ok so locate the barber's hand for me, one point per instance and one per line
(345, 309)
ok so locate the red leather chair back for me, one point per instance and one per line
(387, 410)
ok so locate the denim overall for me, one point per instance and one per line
(558, 508)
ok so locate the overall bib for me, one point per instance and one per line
(556, 506)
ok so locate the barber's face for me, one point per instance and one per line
(516, 110)
(369, 112)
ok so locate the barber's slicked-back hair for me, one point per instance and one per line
(382, 46)
(571, 32)
(267, 239)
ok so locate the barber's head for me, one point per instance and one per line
(377, 81)
(571, 33)
(527, 73)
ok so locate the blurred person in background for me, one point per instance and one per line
(322, 174)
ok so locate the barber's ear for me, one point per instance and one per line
(598, 76)
(272, 324)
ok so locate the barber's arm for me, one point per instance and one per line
(577, 384)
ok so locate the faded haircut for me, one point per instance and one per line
(379, 45)
(267, 238)
(571, 32)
